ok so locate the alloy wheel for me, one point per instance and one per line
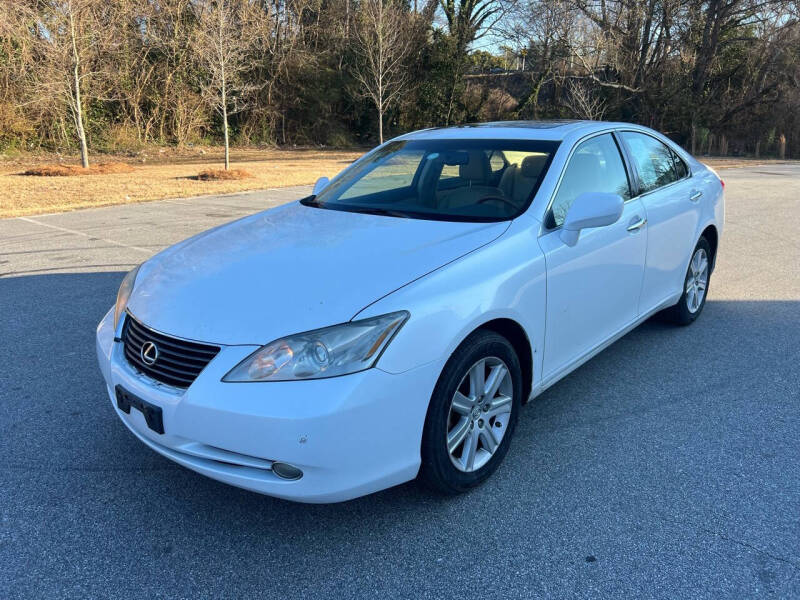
(697, 280)
(479, 414)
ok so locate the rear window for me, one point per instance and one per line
(654, 161)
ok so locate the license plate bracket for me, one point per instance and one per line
(153, 415)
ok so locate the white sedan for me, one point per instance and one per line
(393, 324)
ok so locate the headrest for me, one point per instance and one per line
(476, 169)
(532, 165)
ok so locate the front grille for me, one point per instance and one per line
(178, 361)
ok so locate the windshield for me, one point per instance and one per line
(453, 180)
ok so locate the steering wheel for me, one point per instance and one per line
(498, 199)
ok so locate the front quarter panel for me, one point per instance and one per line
(505, 279)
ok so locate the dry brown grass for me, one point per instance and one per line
(159, 175)
(732, 162)
(70, 170)
(223, 175)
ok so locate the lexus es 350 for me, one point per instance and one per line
(393, 324)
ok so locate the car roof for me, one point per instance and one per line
(556, 130)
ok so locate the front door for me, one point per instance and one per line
(593, 287)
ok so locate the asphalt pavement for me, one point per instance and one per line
(666, 467)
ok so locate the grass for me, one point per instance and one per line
(157, 174)
(734, 162)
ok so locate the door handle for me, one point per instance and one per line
(638, 224)
(696, 195)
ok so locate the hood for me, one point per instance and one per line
(291, 269)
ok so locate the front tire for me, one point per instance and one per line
(695, 286)
(472, 414)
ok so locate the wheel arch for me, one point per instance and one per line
(711, 235)
(518, 338)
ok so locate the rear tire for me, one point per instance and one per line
(695, 286)
(467, 432)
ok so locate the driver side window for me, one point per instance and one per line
(595, 166)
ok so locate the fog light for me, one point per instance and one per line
(285, 471)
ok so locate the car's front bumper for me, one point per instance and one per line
(350, 435)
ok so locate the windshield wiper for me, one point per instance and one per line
(367, 210)
(371, 210)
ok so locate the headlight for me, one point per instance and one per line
(337, 350)
(123, 294)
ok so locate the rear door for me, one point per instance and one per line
(593, 287)
(668, 193)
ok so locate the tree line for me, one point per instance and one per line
(719, 76)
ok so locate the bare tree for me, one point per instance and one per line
(227, 31)
(544, 31)
(583, 102)
(382, 44)
(69, 54)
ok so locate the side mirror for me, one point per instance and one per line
(320, 185)
(591, 209)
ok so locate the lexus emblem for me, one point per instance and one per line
(149, 353)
